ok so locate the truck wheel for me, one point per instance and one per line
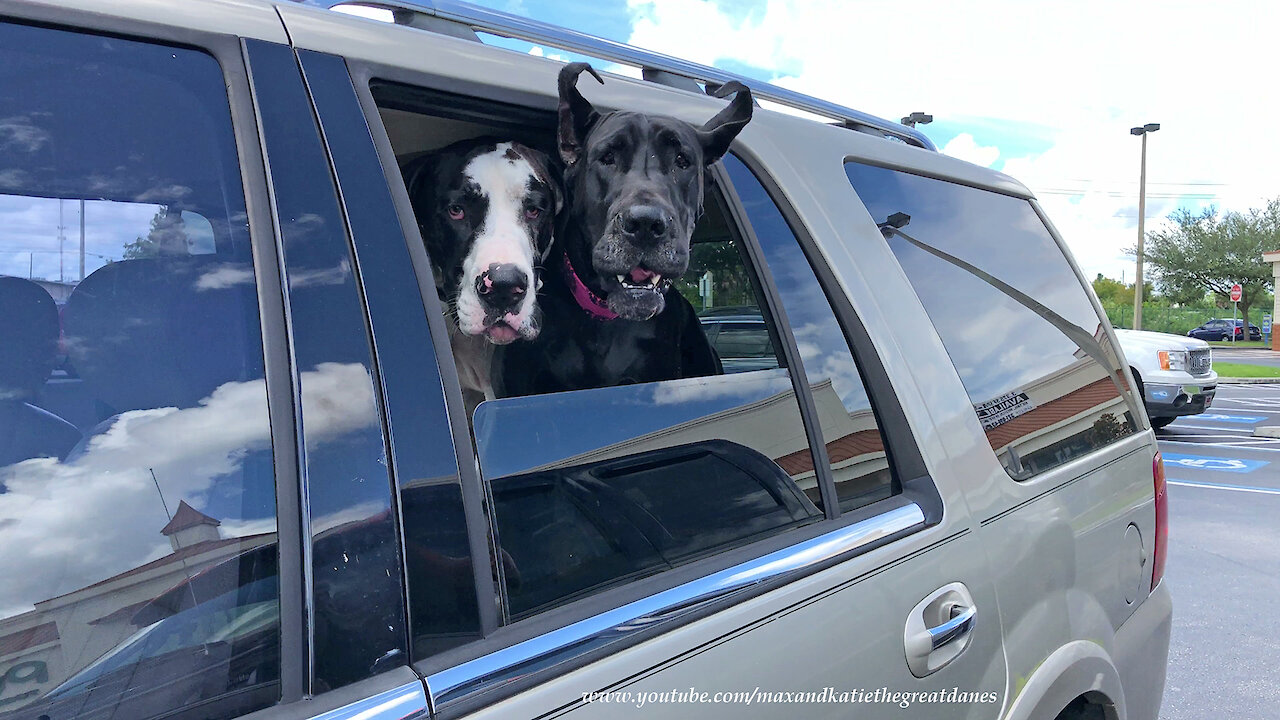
(1157, 423)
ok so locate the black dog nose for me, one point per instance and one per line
(644, 223)
(502, 286)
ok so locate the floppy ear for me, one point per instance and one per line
(576, 115)
(545, 171)
(720, 130)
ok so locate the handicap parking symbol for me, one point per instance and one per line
(1244, 419)
(1200, 462)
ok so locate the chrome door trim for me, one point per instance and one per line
(557, 646)
(406, 702)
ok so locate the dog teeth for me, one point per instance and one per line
(649, 283)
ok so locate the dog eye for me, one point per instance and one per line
(532, 213)
(607, 158)
(682, 161)
(456, 212)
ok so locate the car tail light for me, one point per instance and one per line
(1161, 544)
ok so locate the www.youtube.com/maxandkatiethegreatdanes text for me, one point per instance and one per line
(756, 696)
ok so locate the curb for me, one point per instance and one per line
(1248, 381)
(1268, 431)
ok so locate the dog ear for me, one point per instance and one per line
(720, 130)
(575, 114)
(546, 172)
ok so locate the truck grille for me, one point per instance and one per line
(1200, 362)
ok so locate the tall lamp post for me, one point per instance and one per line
(1142, 213)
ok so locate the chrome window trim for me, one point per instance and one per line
(498, 668)
(401, 703)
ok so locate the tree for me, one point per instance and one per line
(1114, 292)
(168, 236)
(1213, 252)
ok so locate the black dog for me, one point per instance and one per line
(486, 209)
(635, 185)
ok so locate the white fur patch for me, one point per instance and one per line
(504, 237)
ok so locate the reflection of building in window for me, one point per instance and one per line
(772, 426)
(1062, 415)
(855, 448)
(64, 634)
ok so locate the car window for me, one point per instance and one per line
(137, 495)
(854, 441)
(744, 340)
(593, 488)
(1015, 319)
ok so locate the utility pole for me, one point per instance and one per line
(1142, 212)
(82, 241)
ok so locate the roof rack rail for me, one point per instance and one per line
(439, 15)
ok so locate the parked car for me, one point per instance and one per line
(1221, 329)
(261, 495)
(1174, 376)
(740, 337)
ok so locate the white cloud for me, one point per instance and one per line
(1076, 75)
(98, 512)
(963, 146)
(537, 51)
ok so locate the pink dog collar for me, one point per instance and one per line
(587, 300)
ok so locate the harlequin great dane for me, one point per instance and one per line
(486, 210)
(634, 185)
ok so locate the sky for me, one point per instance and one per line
(1045, 92)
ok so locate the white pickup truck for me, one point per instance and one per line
(1174, 373)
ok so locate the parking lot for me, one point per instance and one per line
(1224, 557)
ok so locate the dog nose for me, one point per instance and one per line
(644, 223)
(502, 286)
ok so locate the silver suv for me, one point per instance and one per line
(259, 494)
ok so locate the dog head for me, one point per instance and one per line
(635, 183)
(486, 210)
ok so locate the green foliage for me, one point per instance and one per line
(167, 236)
(1115, 292)
(1209, 252)
(730, 283)
(1159, 316)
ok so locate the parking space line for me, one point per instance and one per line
(1220, 486)
(1246, 431)
(1202, 445)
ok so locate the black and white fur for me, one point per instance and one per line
(486, 210)
(634, 183)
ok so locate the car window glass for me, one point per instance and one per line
(855, 444)
(592, 488)
(723, 292)
(1031, 350)
(137, 496)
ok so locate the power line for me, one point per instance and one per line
(1120, 194)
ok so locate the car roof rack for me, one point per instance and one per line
(463, 19)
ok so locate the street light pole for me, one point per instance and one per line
(1142, 216)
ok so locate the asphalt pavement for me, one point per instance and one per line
(1251, 356)
(1224, 557)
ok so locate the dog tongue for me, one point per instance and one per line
(639, 274)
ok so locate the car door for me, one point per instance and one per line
(579, 600)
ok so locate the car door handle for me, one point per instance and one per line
(961, 622)
(939, 628)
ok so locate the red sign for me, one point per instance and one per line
(1236, 291)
